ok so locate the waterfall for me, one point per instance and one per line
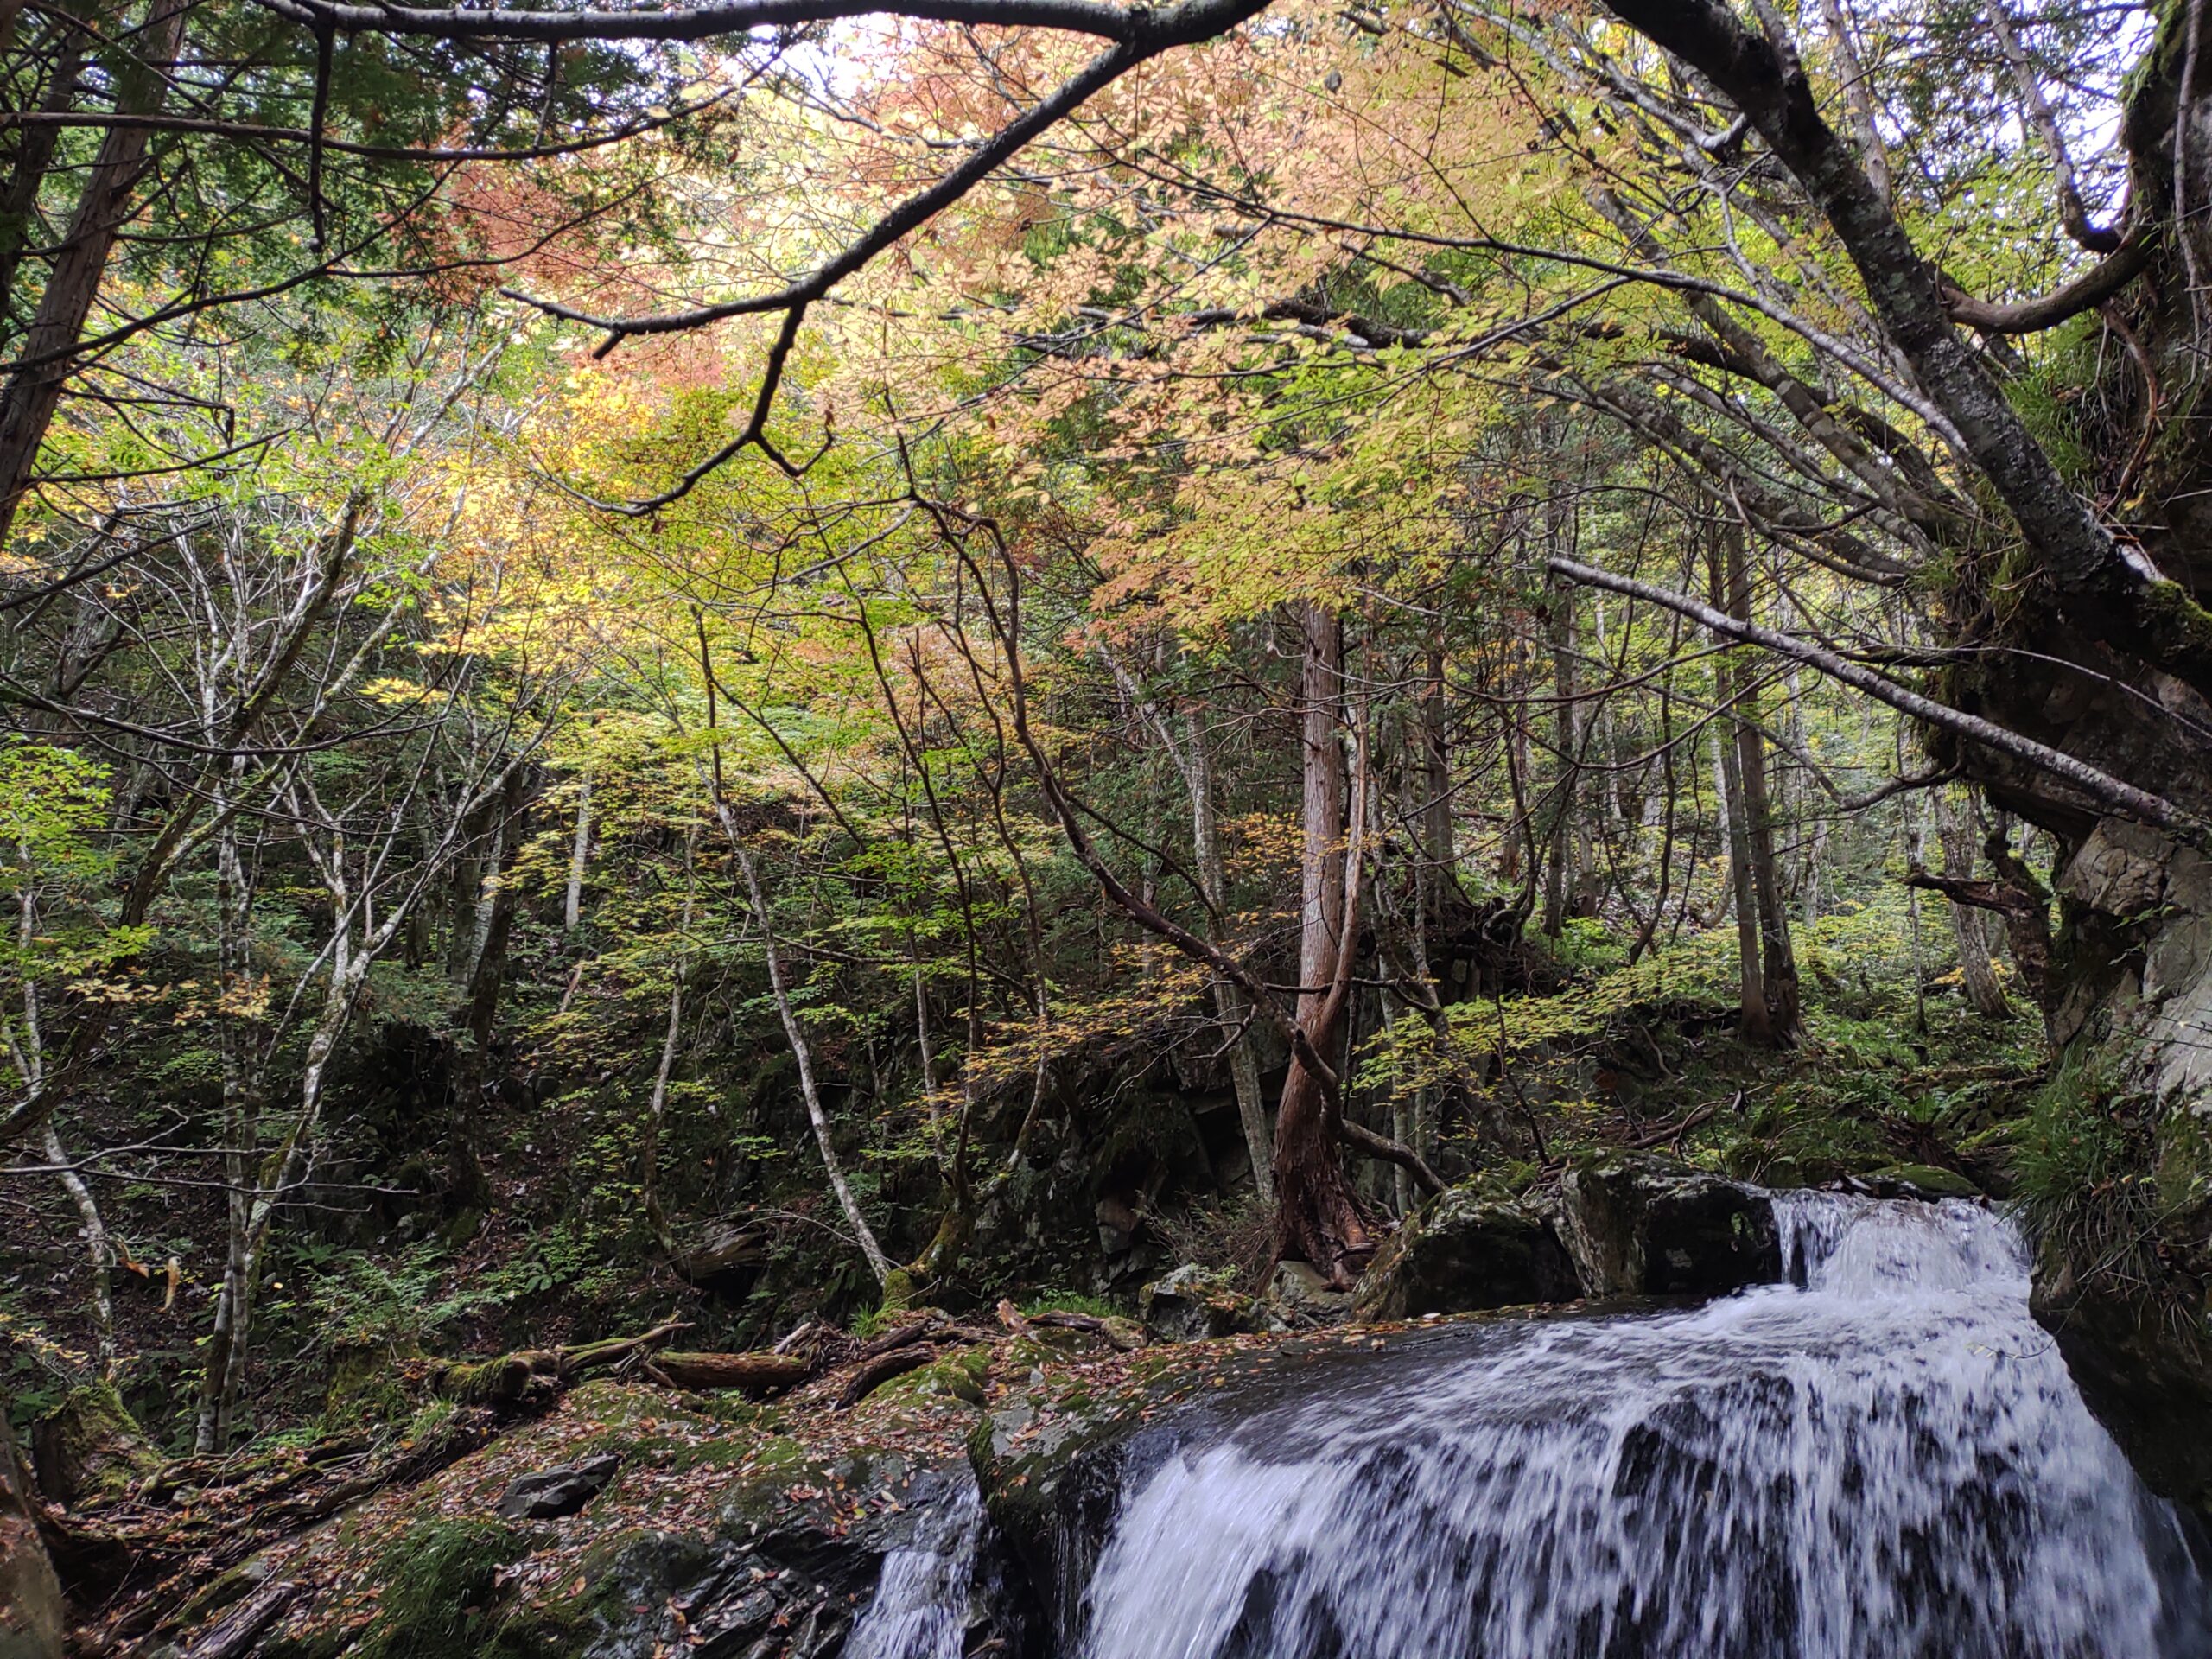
(1884, 1458)
(920, 1607)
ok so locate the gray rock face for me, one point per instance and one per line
(1645, 1226)
(1193, 1303)
(552, 1493)
(1298, 1296)
(2137, 929)
(1621, 1226)
(784, 1579)
(1461, 1253)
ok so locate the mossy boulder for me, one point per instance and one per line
(1049, 1457)
(959, 1375)
(1647, 1226)
(89, 1446)
(1193, 1303)
(1464, 1251)
(372, 1387)
(438, 1584)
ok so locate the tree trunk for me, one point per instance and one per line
(572, 907)
(467, 1183)
(1318, 1218)
(1977, 969)
(99, 1250)
(657, 1109)
(2099, 648)
(35, 146)
(803, 1052)
(1777, 959)
(1229, 1003)
(1752, 1010)
(1438, 852)
(1563, 874)
(73, 285)
(1752, 818)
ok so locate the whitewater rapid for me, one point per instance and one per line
(1883, 1457)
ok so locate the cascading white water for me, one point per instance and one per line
(920, 1607)
(1884, 1459)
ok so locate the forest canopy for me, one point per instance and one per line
(784, 661)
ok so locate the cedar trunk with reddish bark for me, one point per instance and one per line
(1317, 1217)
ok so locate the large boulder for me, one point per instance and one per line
(1195, 1303)
(31, 1597)
(1463, 1252)
(1641, 1226)
(1300, 1297)
(89, 1446)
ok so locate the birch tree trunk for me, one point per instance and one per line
(572, 908)
(1229, 1003)
(802, 1051)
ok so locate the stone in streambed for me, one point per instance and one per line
(552, 1493)
(1641, 1226)
(1924, 1182)
(1462, 1252)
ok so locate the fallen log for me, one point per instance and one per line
(1122, 1340)
(757, 1375)
(876, 1372)
(533, 1374)
(914, 1330)
(236, 1634)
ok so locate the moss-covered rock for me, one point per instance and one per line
(89, 1446)
(1647, 1226)
(436, 1586)
(956, 1376)
(730, 1525)
(1465, 1250)
(1918, 1181)
(371, 1388)
(1193, 1303)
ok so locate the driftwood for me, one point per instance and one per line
(932, 1326)
(1122, 1340)
(1675, 1132)
(874, 1373)
(534, 1375)
(914, 1330)
(802, 1336)
(758, 1375)
(238, 1633)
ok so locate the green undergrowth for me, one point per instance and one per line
(2086, 1160)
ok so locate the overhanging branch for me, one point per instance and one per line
(2123, 797)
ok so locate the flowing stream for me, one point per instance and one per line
(1883, 1460)
(920, 1607)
